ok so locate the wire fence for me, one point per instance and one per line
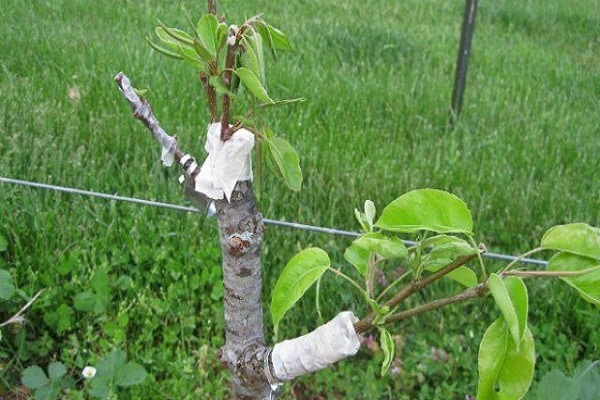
(176, 207)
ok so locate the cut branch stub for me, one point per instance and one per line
(142, 111)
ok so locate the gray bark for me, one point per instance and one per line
(241, 231)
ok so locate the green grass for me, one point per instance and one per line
(378, 77)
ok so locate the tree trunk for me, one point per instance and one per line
(256, 369)
(241, 231)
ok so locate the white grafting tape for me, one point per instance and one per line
(193, 166)
(327, 344)
(226, 164)
(167, 157)
(184, 159)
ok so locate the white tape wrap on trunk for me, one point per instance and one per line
(227, 162)
(327, 344)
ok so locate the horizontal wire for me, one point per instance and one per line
(293, 225)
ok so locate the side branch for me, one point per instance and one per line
(365, 324)
(470, 293)
(142, 111)
(211, 95)
(18, 317)
(232, 44)
(170, 151)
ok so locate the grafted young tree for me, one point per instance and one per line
(230, 64)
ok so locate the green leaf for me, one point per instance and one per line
(273, 37)
(56, 370)
(556, 386)
(220, 86)
(426, 209)
(505, 372)
(111, 364)
(164, 51)
(588, 285)
(581, 239)
(387, 345)
(3, 244)
(177, 34)
(34, 377)
(279, 152)
(362, 220)
(252, 56)
(167, 39)
(202, 51)
(370, 212)
(100, 282)
(130, 374)
(359, 257)
(100, 387)
(186, 48)
(510, 295)
(60, 319)
(190, 56)
(446, 249)
(221, 36)
(587, 376)
(47, 393)
(253, 84)
(386, 247)
(208, 34)
(7, 288)
(463, 275)
(304, 269)
(85, 301)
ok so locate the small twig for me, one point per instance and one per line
(18, 317)
(550, 274)
(418, 285)
(391, 285)
(211, 95)
(212, 7)
(346, 277)
(370, 275)
(482, 250)
(365, 324)
(519, 258)
(232, 44)
(470, 293)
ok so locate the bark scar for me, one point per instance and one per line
(238, 243)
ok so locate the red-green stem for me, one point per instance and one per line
(482, 249)
(347, 278)
(522, 256)
(226, 132)
(550, 274)
(211, 95)
(470, 293)
(366, 323)
(212, 7)
(370, 275)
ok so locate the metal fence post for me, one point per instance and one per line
(462, 62)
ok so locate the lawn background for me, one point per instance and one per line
(378, 77)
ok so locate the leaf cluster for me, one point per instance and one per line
(230, 61)
(112, 372)
(444, 245)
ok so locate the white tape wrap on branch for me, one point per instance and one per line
(327, 344)
(168, 146)
(227, 162)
